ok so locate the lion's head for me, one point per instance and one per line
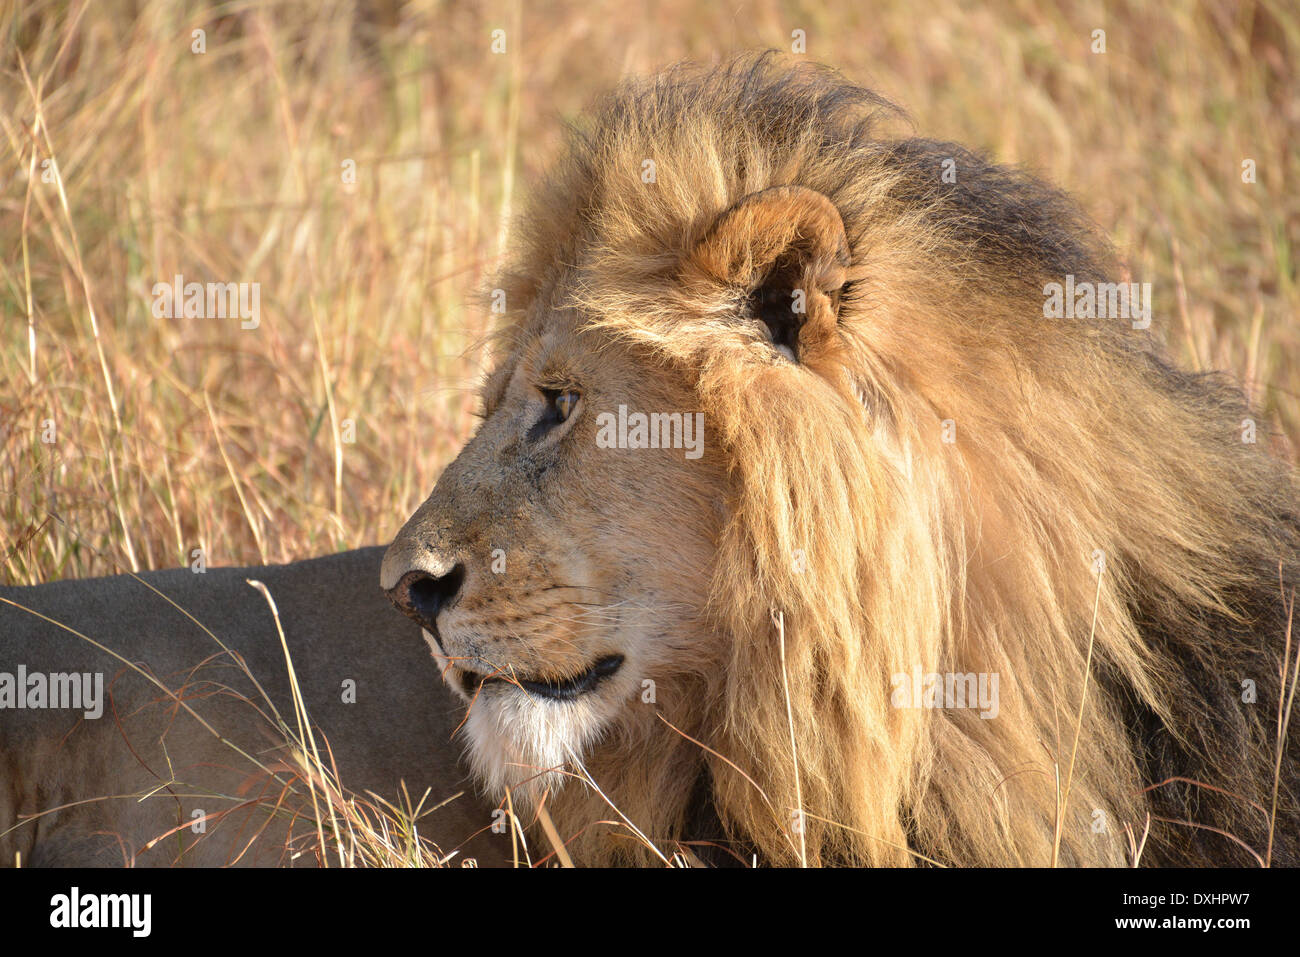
(777, 432)
(561, 574)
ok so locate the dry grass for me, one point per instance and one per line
(226, 166)
(129, 159)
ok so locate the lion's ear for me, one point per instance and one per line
(787, 248)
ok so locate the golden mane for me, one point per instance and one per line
(963, 488)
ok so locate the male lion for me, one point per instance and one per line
(910, 480)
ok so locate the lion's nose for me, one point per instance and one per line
(420, 595)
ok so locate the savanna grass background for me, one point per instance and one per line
(227, 165)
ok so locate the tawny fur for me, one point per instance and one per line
(1072, 437)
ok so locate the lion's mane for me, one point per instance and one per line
(1089, 480)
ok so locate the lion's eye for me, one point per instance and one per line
(560, 404)
(564, 403)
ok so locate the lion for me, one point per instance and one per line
(780, 444)
(193, 768)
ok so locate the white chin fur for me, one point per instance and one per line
(524, 743)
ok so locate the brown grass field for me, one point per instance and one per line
(130, 159)
(361, 162)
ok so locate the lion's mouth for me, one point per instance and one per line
(556, 689)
